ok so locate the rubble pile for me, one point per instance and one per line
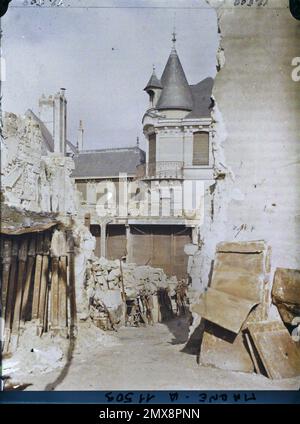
(121, 293)
(238, 332)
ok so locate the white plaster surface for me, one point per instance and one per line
(257, 141)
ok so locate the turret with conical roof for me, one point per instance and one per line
(176, 92)
(153, 88)
(177, 126)
(153, 82)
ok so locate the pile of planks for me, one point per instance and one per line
(237, 334)
(37, 285)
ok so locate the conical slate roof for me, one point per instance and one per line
(176, 93)
(153, 82)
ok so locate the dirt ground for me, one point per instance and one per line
(151, 358)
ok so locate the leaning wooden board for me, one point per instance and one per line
(279, 353)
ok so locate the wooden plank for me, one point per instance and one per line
(42, 311)
(37, 286)
(12, 285)
(10, 296)
(54, 305)
(278, 353)
(225, 310)
(27, 286)
(63, 310)
(20, 284)
(71, 284)
(6, 264)
(37, 276)
(28, 279)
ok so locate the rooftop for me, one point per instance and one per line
(108, 162)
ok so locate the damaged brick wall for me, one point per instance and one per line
(256, 144)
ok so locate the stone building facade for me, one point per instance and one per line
(148, 205)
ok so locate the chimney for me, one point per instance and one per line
(60, 122)
(80, 137)
(46, 112)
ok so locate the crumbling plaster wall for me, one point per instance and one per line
(29, 179)
(257, 133)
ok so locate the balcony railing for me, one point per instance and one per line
(160, 169)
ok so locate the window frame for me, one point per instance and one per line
(208, 164)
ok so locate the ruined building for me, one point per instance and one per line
(35, 170)
(38, 205)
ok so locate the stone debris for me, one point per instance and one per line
(235, 308)
(273, 345)
(42, 355)
(35, 354)
(286, 294)
(124, 293)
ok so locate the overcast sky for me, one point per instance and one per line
(103, 57)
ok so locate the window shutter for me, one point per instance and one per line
(201, 149)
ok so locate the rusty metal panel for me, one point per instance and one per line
(116, 241)
(223, 349)
(279, 354)
(223, 309)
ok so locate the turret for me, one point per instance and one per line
(153, 88)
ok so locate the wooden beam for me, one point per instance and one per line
(19, 291)
(6, 264)
(42, 310)
(12, 284)
(71, 284)
(54, 318)
(63, 310)
(28, 280)
(37, 276)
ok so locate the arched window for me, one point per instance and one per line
(201, 148)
